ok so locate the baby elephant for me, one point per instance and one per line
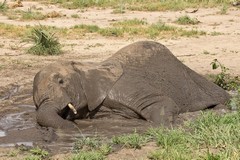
(143, 80)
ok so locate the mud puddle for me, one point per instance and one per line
(20, 128)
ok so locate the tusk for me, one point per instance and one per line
(72, 108)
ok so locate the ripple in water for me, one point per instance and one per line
(15, 121)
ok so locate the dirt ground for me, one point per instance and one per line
(17, 70)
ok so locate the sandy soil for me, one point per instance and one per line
(17, 69)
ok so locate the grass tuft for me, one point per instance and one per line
(45, 43)
(185, 20)
(30, 15)
(91, 148)
(158, 28)
(88, 155)
(39, 153)
(133, 140)
(87, 28)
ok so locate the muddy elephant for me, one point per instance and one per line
(143, 80)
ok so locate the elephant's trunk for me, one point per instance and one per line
(51, 117)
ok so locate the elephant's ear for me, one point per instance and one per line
(97, 80)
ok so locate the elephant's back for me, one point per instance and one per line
(154, 64)
(141, 53)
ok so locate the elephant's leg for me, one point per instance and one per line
(49, 117)
(163, 111)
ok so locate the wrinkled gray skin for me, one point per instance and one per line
(143, 80)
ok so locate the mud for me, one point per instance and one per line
(20, 128)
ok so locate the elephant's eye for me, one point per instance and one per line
(60, 81)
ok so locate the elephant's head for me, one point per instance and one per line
(68, 90)
(55, 87)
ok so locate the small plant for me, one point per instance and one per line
(86, 144)
(39, 152)
(92, 144)
(75, 16)
(90, 148)
(45, 43)
(112, 31)
(88, 155)
(133, 140)
(13, 153)
(223, 79)
(184, 20)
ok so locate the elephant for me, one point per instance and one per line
(143, 80)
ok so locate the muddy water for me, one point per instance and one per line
(18, 127)
(21, 129)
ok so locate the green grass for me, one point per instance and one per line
(39, 152)
(133, 140)
(185, 20)
(192, 33)
(126, 28)
(88, 155)
(210, 136)
(141, 5)
(90, 149)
